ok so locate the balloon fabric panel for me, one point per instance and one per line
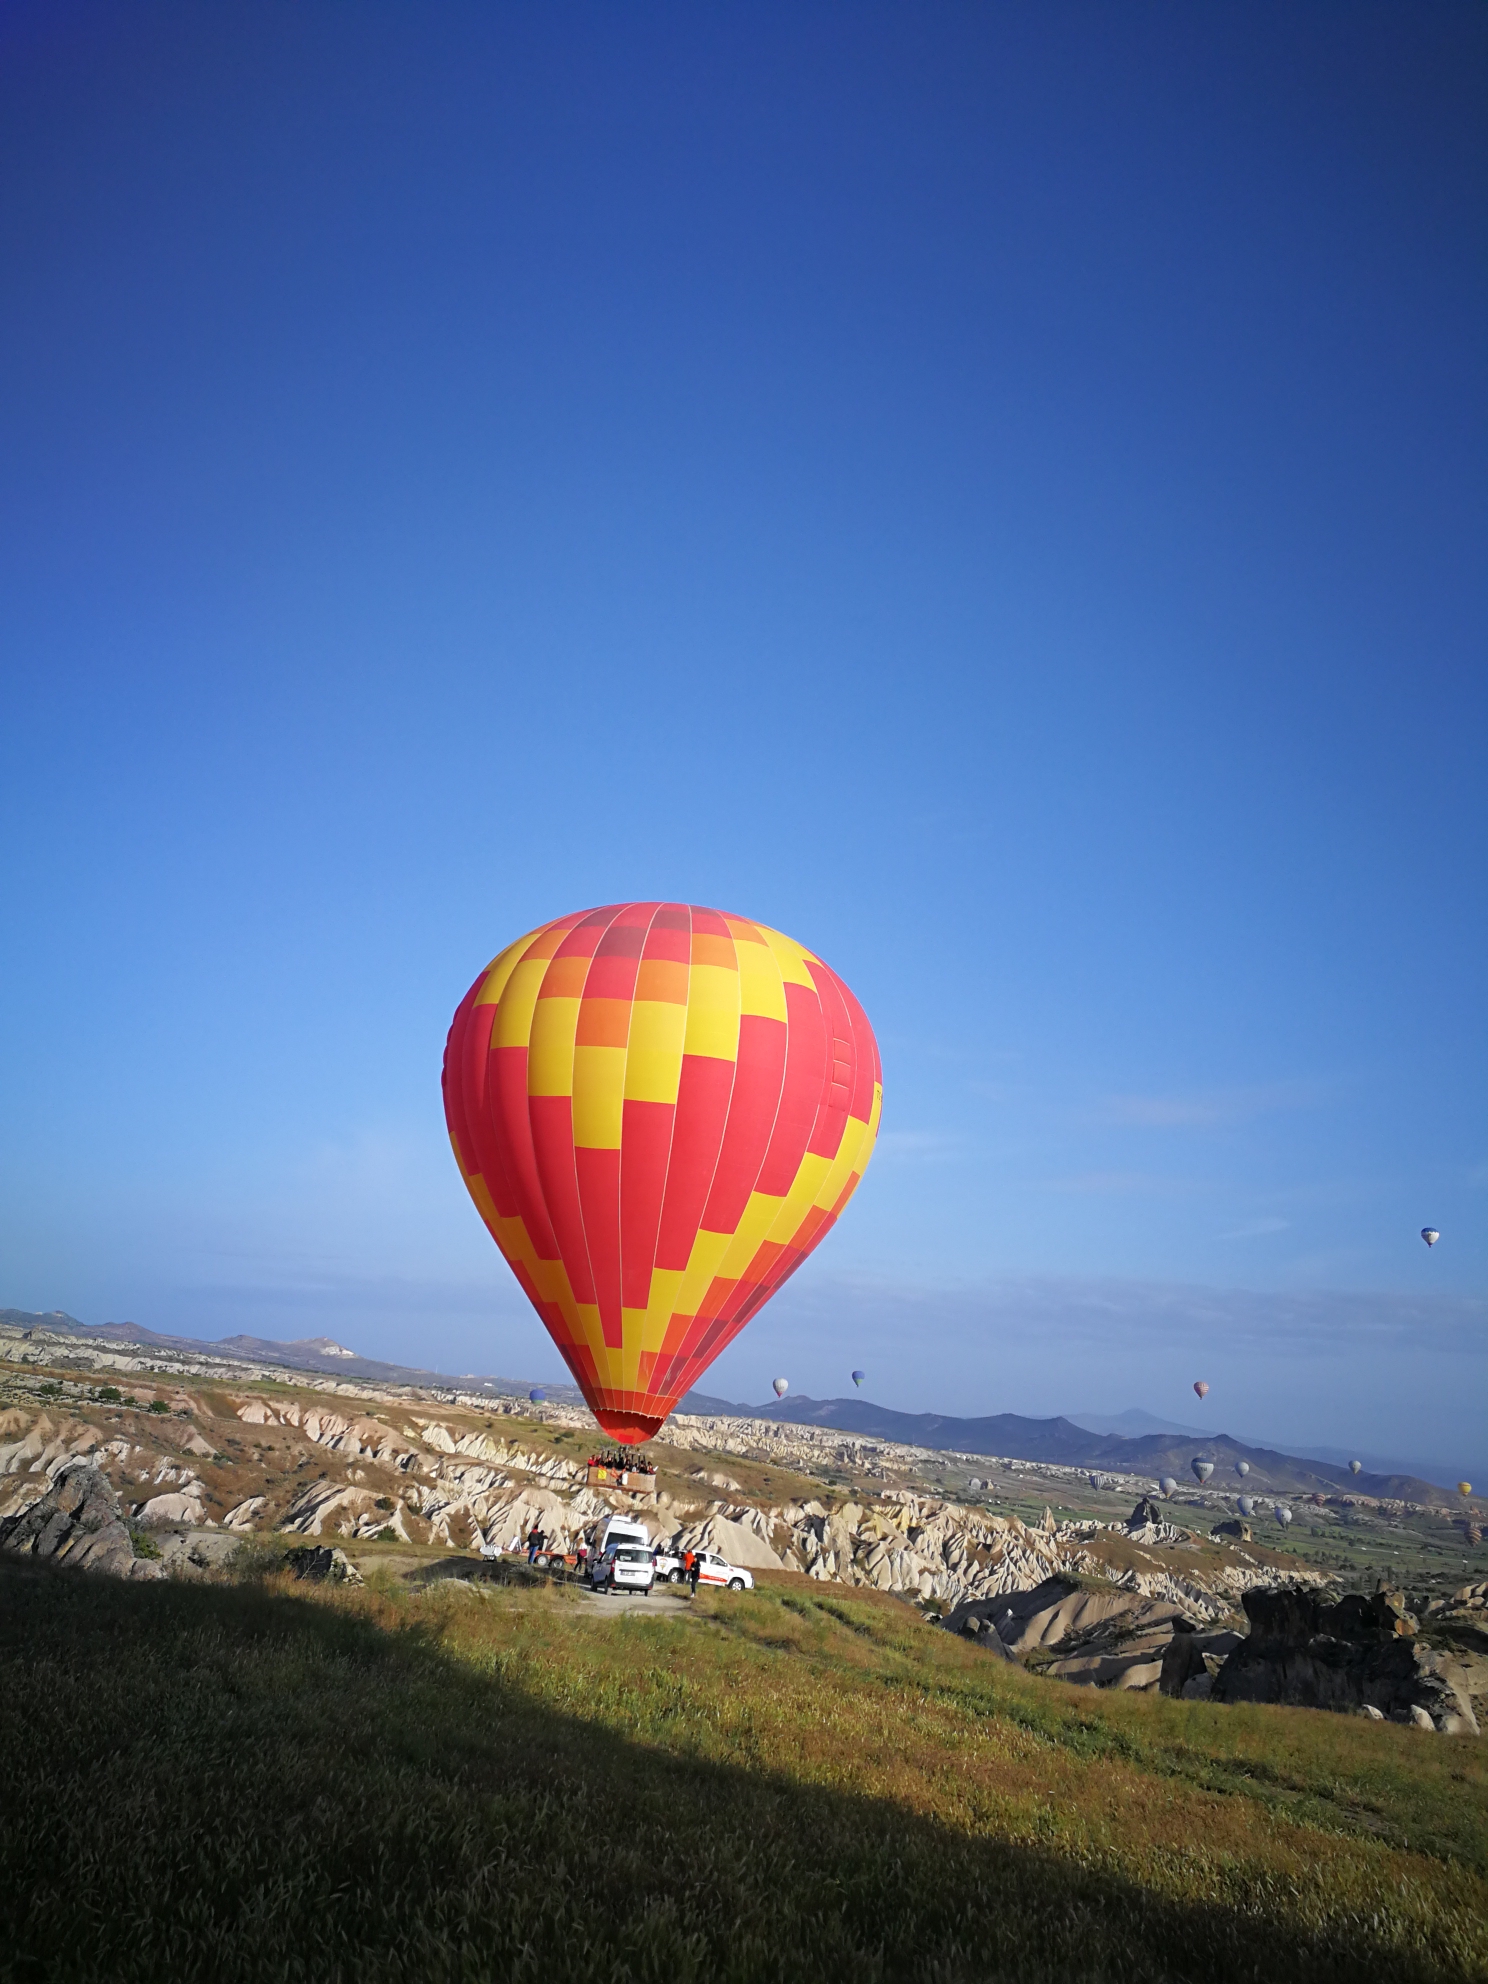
(659, 1111)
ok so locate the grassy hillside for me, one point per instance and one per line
(212, 1782)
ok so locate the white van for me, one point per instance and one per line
(620, 1529)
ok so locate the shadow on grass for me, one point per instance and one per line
(238, 1784)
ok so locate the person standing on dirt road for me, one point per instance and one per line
(694, 1565)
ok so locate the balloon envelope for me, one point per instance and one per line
(1168, 1485)
(1093, 1480)
(1242, 1468)
(659, 1111)
(1430, 1235)
(1201, 1388)
(781, 1387)
(1283, 1516)
(858, 1377)
(1464, 1488)
(1356, 1467)
(1246, 1505)
(1202, 1469)
(537, 1398)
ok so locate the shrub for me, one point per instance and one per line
(158, 1405)
(144, 1543)
(108, 1395)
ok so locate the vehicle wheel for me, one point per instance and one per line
(678, 1577)
(541, 1560)
(736, 1584)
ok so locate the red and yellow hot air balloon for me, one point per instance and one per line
(659, 1111)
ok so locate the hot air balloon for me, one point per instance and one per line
(1356, 1467)
(1245, 1505)
(1242, 1468)
(659, 1111)
(780, 1386)
(1464, 1489)
(538, 1397)
(1201, 1388)
(1283, 1516)
(858, 1377)
(1168, 1485)
(1430, 1235)
(1202, 1470)
(1093, 1480)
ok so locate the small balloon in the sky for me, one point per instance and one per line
(538, 1397)
(1168, 1485)
(1356, 1467)
(1430, 1235)
(1464, 1489)
(1242, 1468)
(1201, 1388)
(1283, 1516)
(1246, 1505)
(858, 1377)
(781, 1387)
(1202, 1470)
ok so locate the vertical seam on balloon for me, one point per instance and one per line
(666, 1176)
(734, 1077)
(573, 1149)
(785, 1063)
(620, 1168)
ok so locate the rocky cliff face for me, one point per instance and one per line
(1355, 1654)
(78, 1522)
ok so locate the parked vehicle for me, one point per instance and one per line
(624, 1566)
(716, 1570)
(669, 1566)
(621, 1529)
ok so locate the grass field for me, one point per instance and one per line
(255, 1783)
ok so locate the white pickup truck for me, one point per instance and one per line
(712, 1569)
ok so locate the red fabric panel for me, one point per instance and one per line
(831, 1114)
(509, 1123)
(551, 1117)
(453, 1081)
(645, 1148)
(751, 1117)
(598, 1176)
(805, 1078)
(697, 1134)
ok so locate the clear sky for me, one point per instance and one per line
(994, 491)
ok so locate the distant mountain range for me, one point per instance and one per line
(1159, 1448)
(1066, 1444)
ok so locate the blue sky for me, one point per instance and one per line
(996, 492)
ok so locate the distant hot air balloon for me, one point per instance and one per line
(858, 1377)
(1168, 1485)
(1430, 1235)
(780, 1386)
(1319, 1499)
(1202, 1470)
(1283, 1516)
(1201, 1388)
(1246, 1505)
(1242, 1468)
(1356, 1467)
(659, 1111)
(1093, 1480)
(537, 1397)
(1464, 1489)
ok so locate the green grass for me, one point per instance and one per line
(255, 1783)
